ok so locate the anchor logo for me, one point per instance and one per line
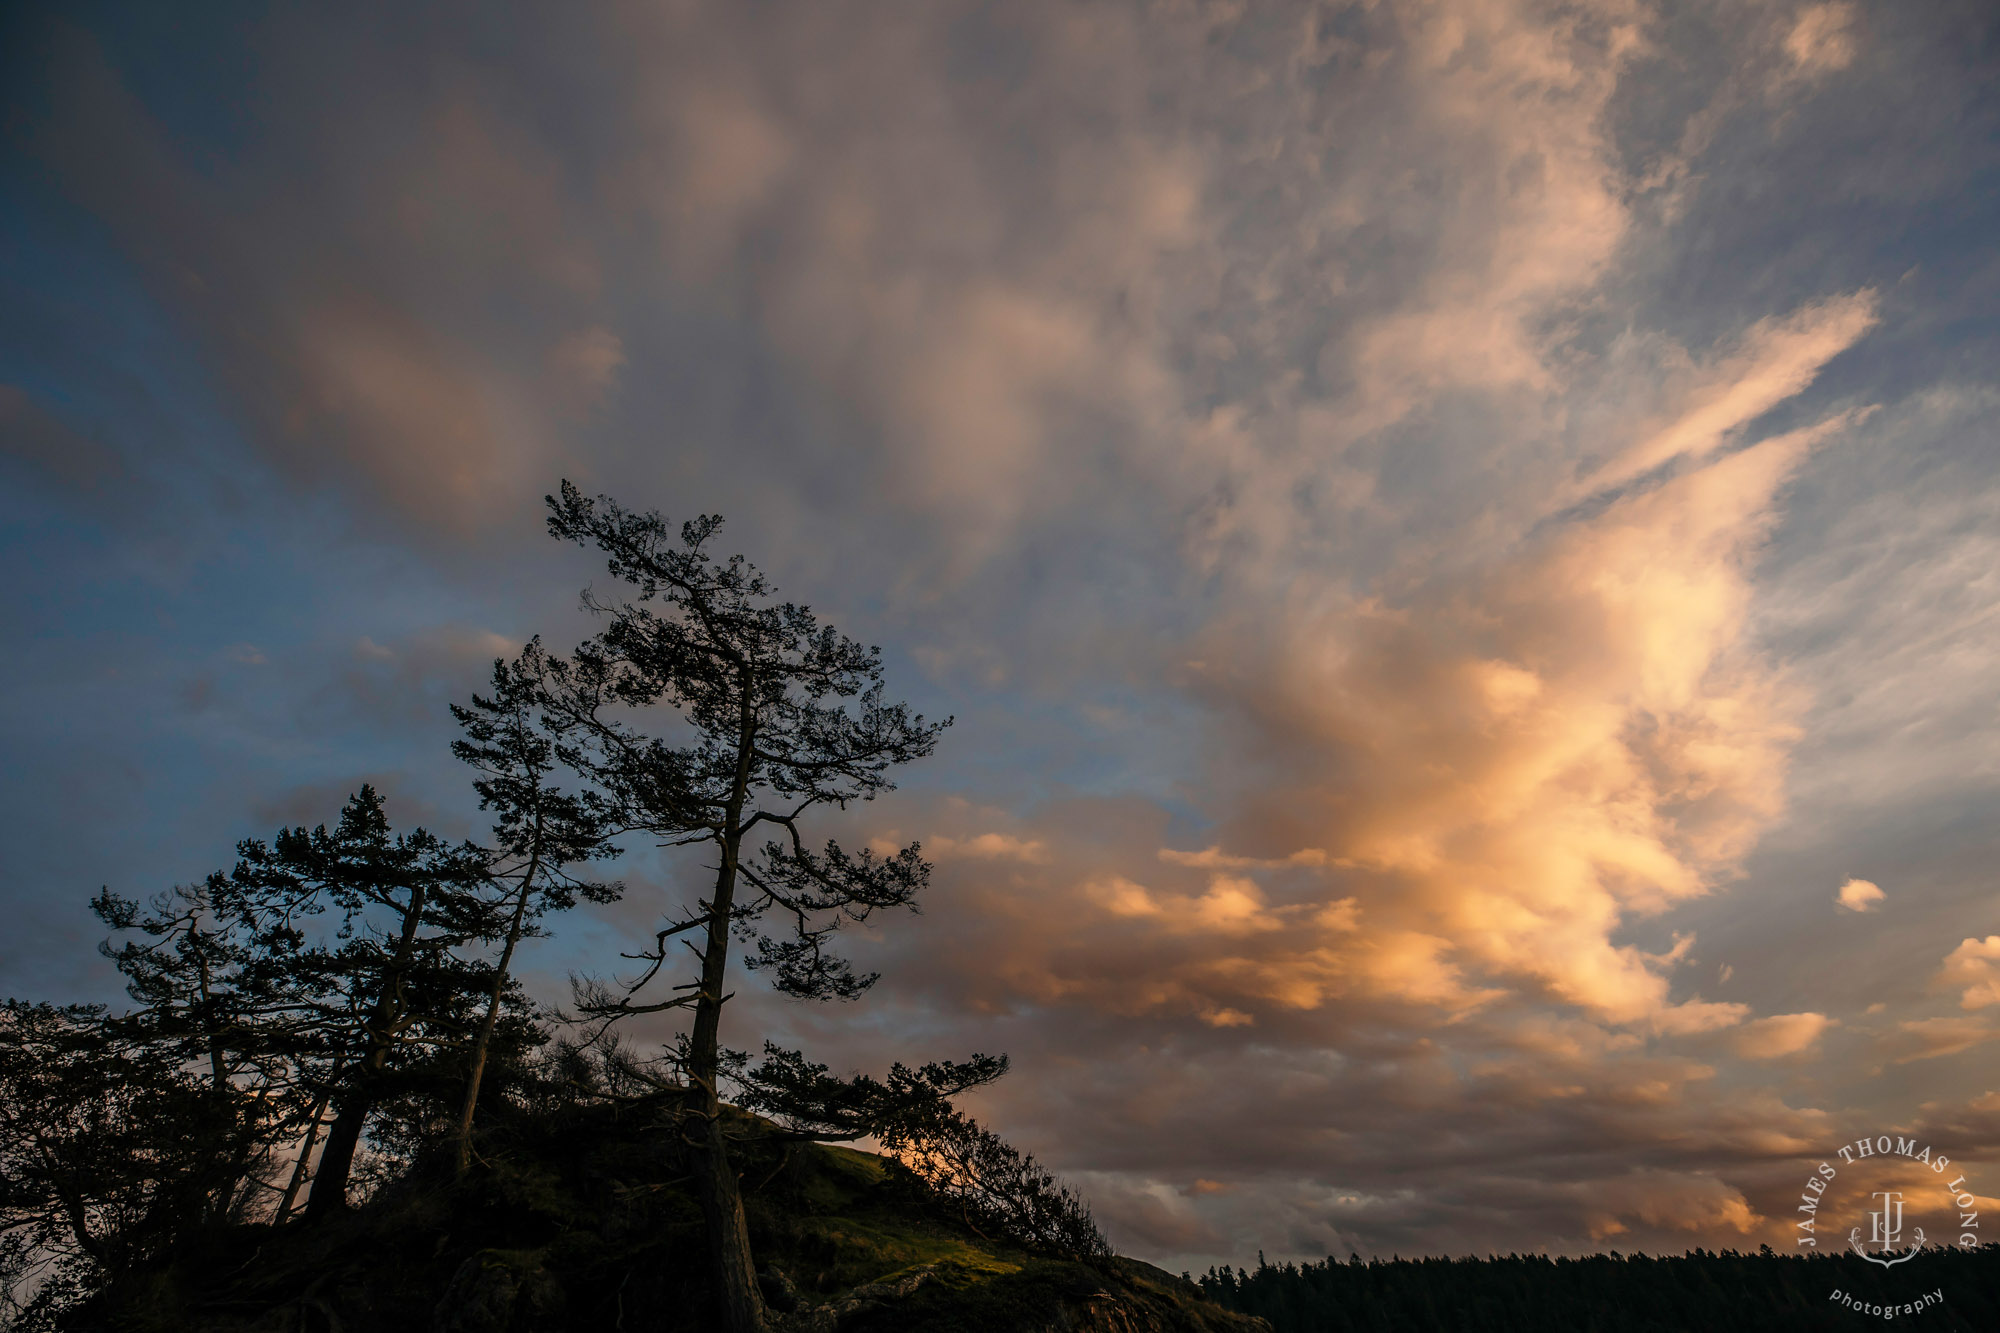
(1885, 1232)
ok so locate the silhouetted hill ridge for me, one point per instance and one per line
(581, 1219)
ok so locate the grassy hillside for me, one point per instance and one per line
(581, 1220)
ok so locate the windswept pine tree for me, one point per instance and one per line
(391, 981)
(539, 832)
(204, 998)
(782, 716)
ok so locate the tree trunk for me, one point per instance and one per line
(304, 1163)
(329, 1187)
(78, 1217)
(329, 1183)
(220, 1088)
(492, 1019)
(741, 1303)
(721, 1201)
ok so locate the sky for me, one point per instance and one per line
(1462, 538)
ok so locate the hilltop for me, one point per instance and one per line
(582, 1219)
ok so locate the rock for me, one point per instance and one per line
(828, 1318)
(499, 1291)
(1134, 1298)
(779, 1293)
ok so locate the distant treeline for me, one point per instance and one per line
(1699, 1292)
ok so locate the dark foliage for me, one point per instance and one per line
(206, 1006)
(539, 831)
(584, 1218)
(1700, 1292)
(781, 715)
(334, 1013)
(385, 983)
(996, 1189)
(109, 1153)
(333, 970)
(991, 1187)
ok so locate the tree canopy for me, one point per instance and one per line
(340, 1005)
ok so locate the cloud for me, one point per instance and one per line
(1537, 217)
(1698, 1204)
(1569, 739)
(346, 311)
(1974, 968)
(1822, 38)
(404, 683)
(1931, 1038)
(1780, 1035)
(585, 364)
(1216, 858)
(1900, 572)
(1971, 1124)
(1859, 895)
(1309, 451)
(988, 846)
(1772, 361)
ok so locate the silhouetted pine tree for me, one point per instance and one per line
(362, 933)
(110, 1150)
(781, 715)
(539, 831)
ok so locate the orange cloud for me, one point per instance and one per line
(989, 847)
(1859, 895)
(1974, 967)
(1780, 1035)
(1929, 1038)
(1673, 1202)
(1821, 40)
(1772, 361)
(1570, 742)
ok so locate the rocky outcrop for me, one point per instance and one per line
(500, 1291)
(832, 1316)
(1134, 1298)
